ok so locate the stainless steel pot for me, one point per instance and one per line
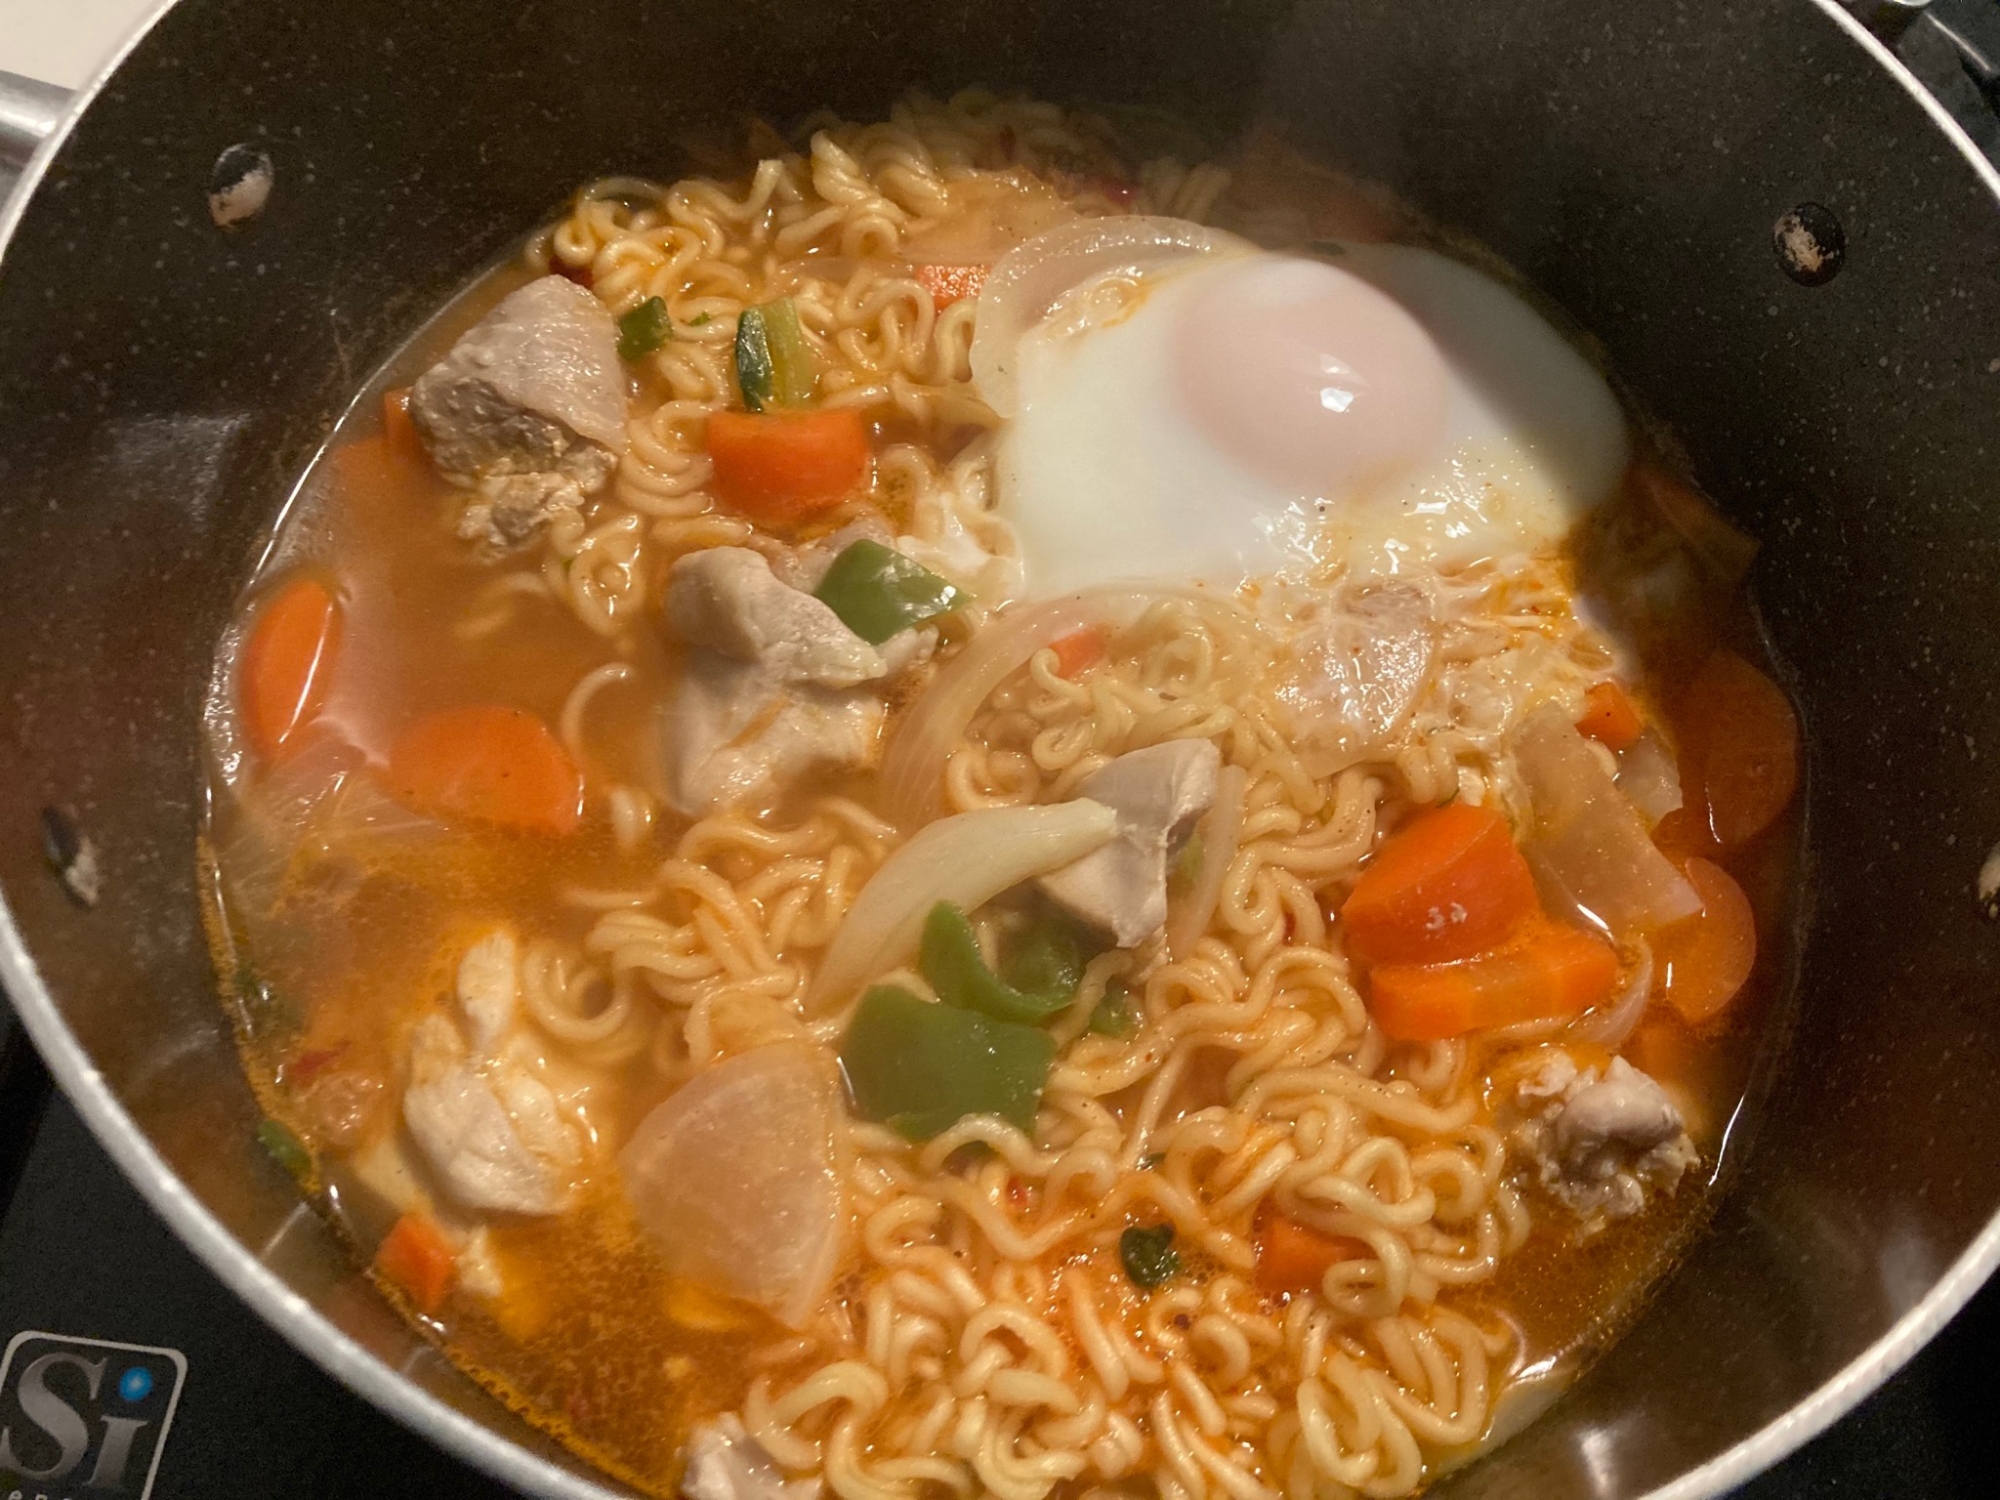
(163, 380)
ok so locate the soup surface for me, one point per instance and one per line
(957, 808)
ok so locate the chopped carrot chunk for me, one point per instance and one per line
(1078, 651)
(1293, 1258)
(488, 762)
(286, 663)
(1610, 716)
(1448, 885)
(416, 1258)
(1549, 970)
(1705, 961)
(780, 468)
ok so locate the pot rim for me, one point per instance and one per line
(301, 1325)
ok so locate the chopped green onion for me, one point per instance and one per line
(951, 961)
(1186, 868)
(878, 592)
(1148, 1254)
(699, 320)
(284, 1148)
(922, 1067)
(774, 364)
(644, 329)
(1113, 1015)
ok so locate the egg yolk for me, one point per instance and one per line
(1307, 375)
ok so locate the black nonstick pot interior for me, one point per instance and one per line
(163, 381)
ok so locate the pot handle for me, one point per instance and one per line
(29, 111)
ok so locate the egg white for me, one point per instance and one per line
(1107, 471)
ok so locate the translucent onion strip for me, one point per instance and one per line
(968, 859)
(913, 766)
(1218, 831)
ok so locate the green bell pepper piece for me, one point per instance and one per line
(284, 1148)
(950, 959)
(644, 329)
(1114, 1016)
(922, 1067)
(1148, 1254)
(1048, 958)
(878, 592)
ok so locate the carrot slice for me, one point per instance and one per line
(399, 433)
(947, 284)
(1446, 886)
(1704, 961)
(416, 1257)
(486, 761)
(1743, 739)
(1078, 651)
(1610, 716)
(780, 468)
(1550, 970)
(1663, 1046)
(286, 663)
(1293, 1258)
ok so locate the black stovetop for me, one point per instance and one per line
(81, 1254)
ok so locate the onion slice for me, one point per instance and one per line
(1648, 776)
(1610, 1025)
(967, 859)
(1028, 280)
(1588, 845)
(913, 766)
(1218, 831)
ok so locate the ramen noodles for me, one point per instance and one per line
(955, 810)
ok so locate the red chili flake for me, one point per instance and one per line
(947, 284)
(1017, 1192)
(308, 1065)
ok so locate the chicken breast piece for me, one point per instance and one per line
(489, 988)
(771, 689)
(728, 600)
(527, 409)
(493, 1139)
(736, 731)
(1603, 1143)
(1158, 794)
(725, 1463)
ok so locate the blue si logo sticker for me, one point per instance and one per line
(80, 1417)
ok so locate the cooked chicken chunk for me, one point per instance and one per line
(737, 730)
(1603, 1142)
(1356, 667)
(1158, 794)
(728, 599)
(771, 686)
(489, 988)
(725, 1463)
(527, 409)
(493, 1135)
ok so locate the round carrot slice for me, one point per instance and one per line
(1447, 885)
(282, 679)
(488, 762)
(1745, 740)
(1704, 961)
